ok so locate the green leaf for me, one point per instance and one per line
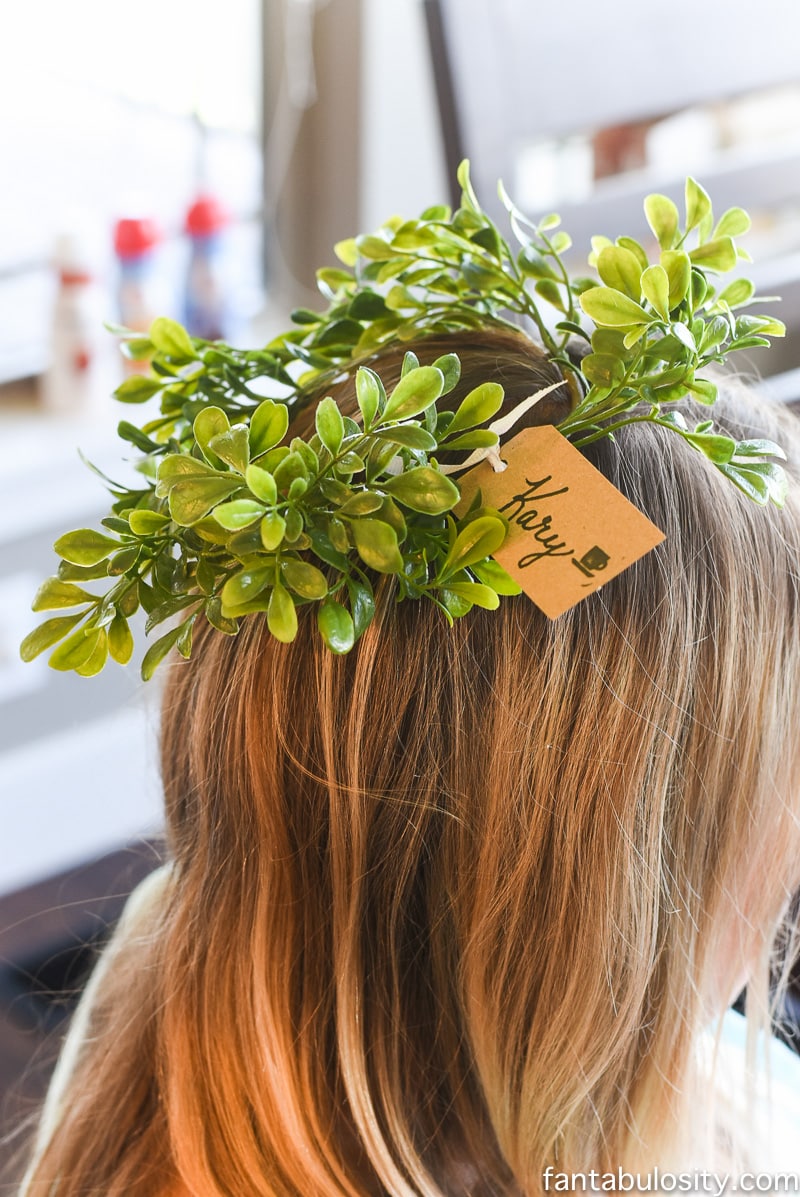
(450, 367)
(54, 594)
(137, 349)
(184, 641)
(698, 288)
(375, 248)
(330, 281)
(714, 333)
(478, 438)
(210, 422)
(551, 292)
(268, 425)
(480, 596)
(655, 288)
(194, 497)
(47, 634)
(282, 615)
(336, 626)
(679, 272)
(753, 485)
(455, 604)
(410, 362)
(370, 395)
(603, 369)
(606, 306)
(480, 405)
(262, 484)
(293, 466)
(424, 489)
(85, 546)
(138, 389)
(294, 525)
(633, 335)
(245, 585)
(535, 265)
(363, 503)
(158, 651)
(147, 523)
(760, 475)
(368, 305)
(337, 534)
(719, 449)
(410, 436)
(492, 574)
(635, 248)
(698, 204)
(324, 548)
(759, 448)
(736, 293)
(129, 432)
(662, 216)
(305, 315)
(77, 650)
(97, 657)
(120, 640)
(610, 341)
(217, 620)
(718, 255)
(273, 530)
(416, 391)
(172, 339)
(238, 514)
(304, 579)
(233, 447)
(621, 270)
(702, 390)
(124, 560)
(329, 424)
(684, 335)
(376, 543)
(468, 197)
(574, 329)
(346, 251)
(480, 538)
(439, 212)
(598, 245)
(769, 327)
(732, 223)
(362, 604)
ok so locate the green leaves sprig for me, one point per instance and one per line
(658, 325)
(230, 519)
(229, 528)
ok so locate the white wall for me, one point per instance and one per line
(402, 158)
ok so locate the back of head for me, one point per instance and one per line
(455, 906)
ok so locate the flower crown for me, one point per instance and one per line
(230, 519)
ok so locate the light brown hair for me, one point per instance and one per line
(457, 905)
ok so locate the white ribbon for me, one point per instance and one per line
(501, 426)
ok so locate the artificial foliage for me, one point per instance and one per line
(231, 519)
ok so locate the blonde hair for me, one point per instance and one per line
(457, 905)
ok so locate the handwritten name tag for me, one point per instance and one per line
(570, 529)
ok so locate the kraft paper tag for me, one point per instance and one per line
(570, 529)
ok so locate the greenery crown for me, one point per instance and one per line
(230, 519)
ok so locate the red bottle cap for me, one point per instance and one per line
(206, 217)
(134, 237)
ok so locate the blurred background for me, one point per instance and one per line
(200, 160)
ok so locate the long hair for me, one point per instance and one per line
(458, 905)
